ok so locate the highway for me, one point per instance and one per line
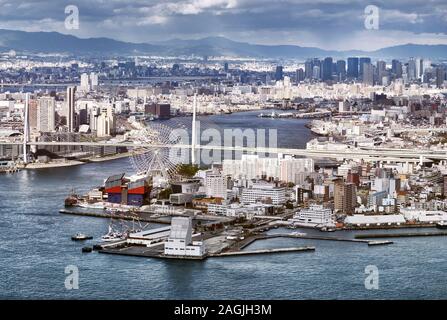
(379, 154)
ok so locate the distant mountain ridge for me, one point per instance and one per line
(54, 42)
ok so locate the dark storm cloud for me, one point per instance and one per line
(327, 23)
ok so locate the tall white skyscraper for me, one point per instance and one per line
(94, 81)
(85, 82)
(215, 185)
(70, 108)
(105, 125)
(45, 114)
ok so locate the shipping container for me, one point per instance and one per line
(135, 200)
(114, 198)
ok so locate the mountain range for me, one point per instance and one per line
(54, 42)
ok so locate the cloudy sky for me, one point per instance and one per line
(328, 24)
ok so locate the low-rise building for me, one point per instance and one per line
(180, 242)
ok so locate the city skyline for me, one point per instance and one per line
(331, 25)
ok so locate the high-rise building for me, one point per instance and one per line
(299, 75)
(308, 69)
(94, 81)
(85, 82)
(396, 68)
(381, 71)
(279, 73)
(46, 114)
(316, 74)
(368, 74)
(345, 197)
(215, 184)
(33, 109)
(226, 66)
(440, 77)
(70, 108)
(105, 125)
(419, 67)
(89, 82)
(353, 67)
(362, 61)
(411, 71)
(341, 69)
(327, 69)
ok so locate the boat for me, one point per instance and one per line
(327, 229)
(112, 235)
(441, 225)
(87, 249)
(81, 237)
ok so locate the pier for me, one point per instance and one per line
(369, 242)
(263, 251)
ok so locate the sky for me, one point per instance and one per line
(327, 24)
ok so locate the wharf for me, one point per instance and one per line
(124, 216)
(264, 251)
(280, 235)
(139, 251)
(399, 235)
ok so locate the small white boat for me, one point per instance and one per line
(112, 236)
(81, 237)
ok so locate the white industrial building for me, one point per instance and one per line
(149, 237)
(375, 220)
(180, 242)
(237, 210)
(424, 216)
(313, 216)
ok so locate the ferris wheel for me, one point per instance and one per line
(161, 163)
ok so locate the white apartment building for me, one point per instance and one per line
(105, 123)
(290, 166)
(215, 184)
(46, 114)
(253, 167)
(264, 192)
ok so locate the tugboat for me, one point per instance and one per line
(441, 225)
(81, 237)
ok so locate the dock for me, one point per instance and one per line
(400, 235)
(281, 235)
(263, 251)
(123, 216)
